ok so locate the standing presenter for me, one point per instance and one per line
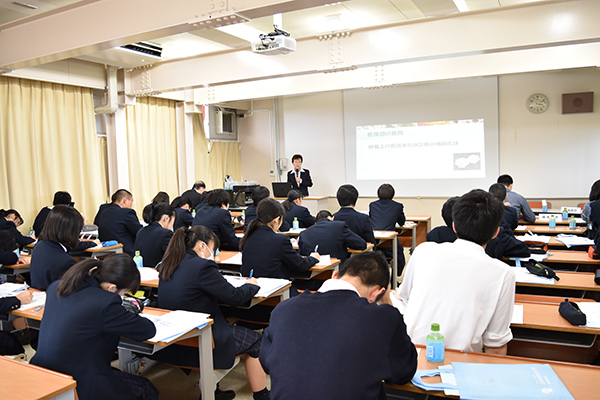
(299, 177)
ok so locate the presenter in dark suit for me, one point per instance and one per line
(267, 253)
(9, 221)
(51, 257)
(216, 217)
(445, 233)
(359, 223)
(194, 193)
(299, 177)
(153, 239)
(331, 237)
(190, 280)
(183, 207)
(119, 221)
(83, 322)
(338, 343)
(294, 209)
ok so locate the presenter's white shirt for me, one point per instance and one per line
(457, 285)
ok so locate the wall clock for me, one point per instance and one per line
(537, 103)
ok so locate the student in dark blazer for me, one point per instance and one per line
(444, 233)
(9, 344)
(9, 221)
(294, 209)
(190, 280)
(8, 245)
(83, 322)
(119, 221)
(385, 213)
(510, 219)
(183, 207)
(331, 237)
(258, 194)
(59, 198)
(195, 193)
(216, 217)
(152, 240)
(299, 177)
(359, 223)
(268, 253)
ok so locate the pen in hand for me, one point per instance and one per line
(251, 273)
(316, 249)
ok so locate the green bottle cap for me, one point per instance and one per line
(435, 327)
(137, 252)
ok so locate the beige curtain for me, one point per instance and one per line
(225, 160)
(152, 149)
(201, 156)
(48, 143)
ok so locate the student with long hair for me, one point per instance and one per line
(183, 207)
(190, 280)
(153, 239)
(83, 322)
(161, 197)
(51, 256)
(258, 194)
(216, 217)
(294, 209)
(267, 253)
(9, 221)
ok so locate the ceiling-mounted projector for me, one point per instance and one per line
(277, 42)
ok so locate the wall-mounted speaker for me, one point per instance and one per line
(577, 102)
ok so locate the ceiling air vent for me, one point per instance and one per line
(144, 48)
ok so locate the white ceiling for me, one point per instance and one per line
(347, 15)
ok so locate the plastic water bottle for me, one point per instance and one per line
(193, 213)
(565, 214)
(435, 344)
(138, 259)
(572, 223)
(552, 222)
(295, 224)
(31, 232)
(243, 215)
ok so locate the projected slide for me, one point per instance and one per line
(422, 150)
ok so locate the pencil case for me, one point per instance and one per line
(110, 243)
(571, 312)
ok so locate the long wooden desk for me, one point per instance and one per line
(570, 257)
(382, 236)
(313, 203)
(569, 280)
(554, 242)
(546, 230)
(22, 381)
(580, 380)
(20, 268)
(545, 316)
(412, 236)
(561, 221)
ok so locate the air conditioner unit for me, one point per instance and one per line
(222, 123)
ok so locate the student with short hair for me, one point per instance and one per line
(294, 209)
(516, 200)
(9, 221)
(299, 177)
(216, 217)
(385, 213)
(194, 193)
(444, 233)
(341, 342)
(83, 323)
(459, 286)
(152, 240)
(359, 223)
(511, 218)
(183, 206)
(119, 221)
(59, 198)
(190, 280)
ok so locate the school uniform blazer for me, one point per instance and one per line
(79, 335)
(100, 211)
(120, 224)
(6, 225)
(505, 244)
(304, 184)
(250, 215)
(358, 223)
(305, 219)
(184, 218)
(197, 285)
(152, 242)
(194, 197)
(8, 257)
(511, 219)
(49, 262)
(385, 214)
(441, 234)
(8, 304)
(271, 255)
(332, 237)
(38, 223)
(218, 220)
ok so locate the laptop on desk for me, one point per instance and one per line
(281, 189)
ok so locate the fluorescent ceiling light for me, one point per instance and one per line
(461, 5)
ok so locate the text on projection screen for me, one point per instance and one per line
(421, 150)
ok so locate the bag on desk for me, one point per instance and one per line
(539, 269)
(571, 312)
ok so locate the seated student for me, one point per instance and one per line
(331, 237)
(516, 200)
(591, 210)
(190, 280)
(294, 209)
(359, 223)
(267, 253)
(83, 321)
(203, 200)
(183, 207)
(258, 194)
(385, 213)
(443, 234)
(9, 344)
(505, 244)
(9, 221)
(457, 285)
(119, 221)
(161, 197)
(194, 193)
(216, 217)
(51, 256)
(314, 341)
(153, 239)
(8, 245)
(59, 198)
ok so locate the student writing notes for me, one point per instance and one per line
(295, 210)
(190, 280)
(516, 200)
(59, 198)
(339, 343)
(9, 221)
(118, 221)
(183, 207)
(152, 240)
(359, 223)
(217, 218)
(9, 344)
(444, 233)
(83, 322)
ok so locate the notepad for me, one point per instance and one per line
(39, 299)
(534, 238)
(268, 286)
(325, 259)
(174, 324)
(592, 313)
(12, 289)
(517, 316)
(574, 240)
(522, 275)
(148, 274)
